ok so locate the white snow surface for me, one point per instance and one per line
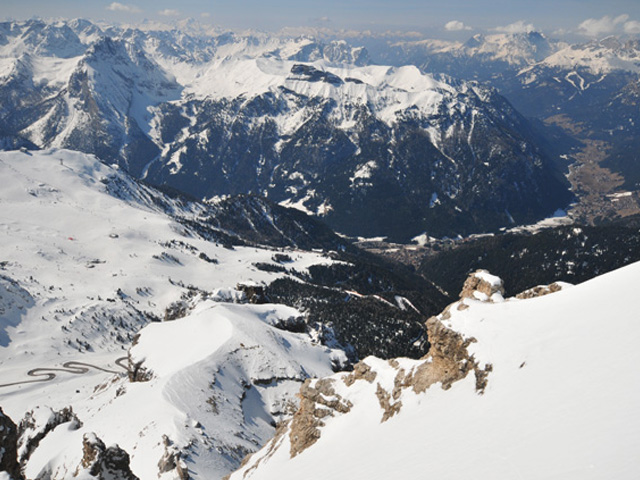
(597, 57)
(516, 49)
(561, 401)
(83, 268)
(492, 280)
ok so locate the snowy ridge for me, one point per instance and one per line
(598, 57)
(549, 394)
(221, 379)
(514, 49)
(135, 71)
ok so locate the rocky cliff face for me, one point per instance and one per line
(104, 463)
(9, 448)
(447, 362)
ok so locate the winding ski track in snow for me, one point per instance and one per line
(46, 374)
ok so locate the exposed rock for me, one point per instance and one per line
(9, 448)
(447, 362)
(480, 285)
(37, 424)
(103, 463)
(448, 359)
(540, 291)
(171, 460)
(483, 286)
(390, 408)
(360, 371)
(304, 428)
(137, 373)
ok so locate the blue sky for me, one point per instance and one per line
(462, 17)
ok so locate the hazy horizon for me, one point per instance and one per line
(453, 18)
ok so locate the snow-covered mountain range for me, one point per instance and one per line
(474, 58)
(582, 97)
(306, 123)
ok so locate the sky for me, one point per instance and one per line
(448, 17)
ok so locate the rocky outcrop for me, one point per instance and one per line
(483, 286)
(137, 373)
(450, 360)
(318, 400)
(540, 291)
(104, 463)
(447, 362)
(480, 286)
(37, 424)
(172, 460)
(9, 448)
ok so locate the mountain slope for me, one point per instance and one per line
(584, 96)
(545, 392)
(343, 143)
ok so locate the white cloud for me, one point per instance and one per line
(320, 20)
(121, 7)
(169, 12)
(632, 27)
(456, 26)
(606, 25)
(516, 27)
(205, 15)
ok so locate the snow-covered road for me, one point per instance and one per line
(78, 368)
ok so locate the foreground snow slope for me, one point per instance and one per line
(560, 403)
